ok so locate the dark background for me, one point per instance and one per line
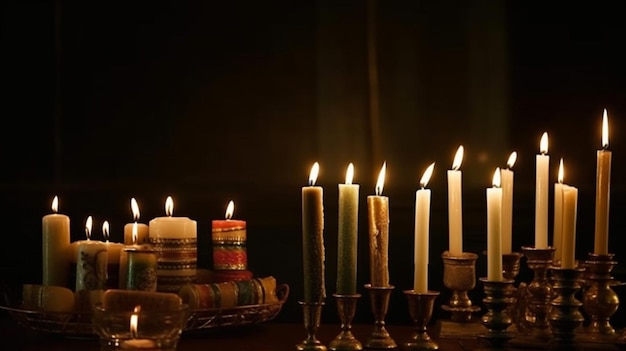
(213, 101)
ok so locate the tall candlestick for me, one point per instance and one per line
(55, 232)
(494, 231)
(558, 215)
(603, 189)
(313, 239)
(541, 194)
(422, 223)
(507, 205)
(455, 211)
(142, 228)
(378, 219)
(347, 239)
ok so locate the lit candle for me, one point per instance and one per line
(347, 235)
(494, 230)
(135, 343)
(558, 215)
(568, 238)
(141, 268)
(507, 205)
(113, 257)
(229, 242)
(422, 223)
(541, 194)
(123, 275)
(175, 238)
(142, 228)
(91, 262)
(378, 219)
(55, 232)
(455, 211)
(313, 239)
(603, 189)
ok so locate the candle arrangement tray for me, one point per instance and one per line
(79, 324)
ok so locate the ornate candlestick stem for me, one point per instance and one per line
(600, 301)
(346, 308)
(510, 270)
(497, 320)
(565, 316)
(312, 312)
(459, 275)
(539, 289)
(379, 299)
(420, 310)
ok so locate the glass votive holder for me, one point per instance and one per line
(145, 330)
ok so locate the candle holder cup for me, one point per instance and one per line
(539, 291)
(599, 300)
(565, 316)
(510, 270)
(459, 275)
(379, 300)
(312, 312)
(421, 310)
(346, 308)
(497, 319)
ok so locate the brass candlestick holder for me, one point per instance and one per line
(459, 275)
(346, 308)
(312, 312)
(420, 310)
(497, 319)
(599, 299)
(565, 316)
(539, 290)
(379, 299)
(510, 270)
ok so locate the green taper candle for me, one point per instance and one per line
(347, 235)
(313, 239)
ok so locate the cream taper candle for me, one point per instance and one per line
(422, 223)
(455, 207)
(494, 229)
(313, 239)
(507, 205)
(541, 194)
(347, 235)
(603, 192)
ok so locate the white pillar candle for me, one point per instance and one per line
(455, 207)
(422, 224)
(378, 230)
(91, 262)
(507, 205)
(558, 216)
(494, 234)
(313, 239)
(603, 191)
(541, 194)
(347, 239)
(55, 233)
(142, 228)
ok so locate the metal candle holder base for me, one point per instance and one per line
(510, 270)
(539, 290)
(459, 275)
(312, 312)
(497, 320)
(600, 301)
(565, 316)
(420, 310)
(346, 308)
(379, 299)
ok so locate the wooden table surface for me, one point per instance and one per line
(263, 337)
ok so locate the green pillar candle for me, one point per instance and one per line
(141, 267)
(347, 235)
(313, 239)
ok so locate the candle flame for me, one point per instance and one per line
(458, 158)
(512, 159)
(88, 224)
(560, 177)
(169, 206)
(427, 174)
(543, 144)
(55, 204)
(496, 178)
(134, 321)
(381, 179)
(134, 233)
(605, 130)
(105, 230)
(315, 170)
(135, 208)
(230, 209)
(349, 173)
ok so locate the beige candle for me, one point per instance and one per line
(494, 231)
(507, 205)
(455, 208)
(313, 239)
(113, 257)
(558, 216)
(142, 228)
(91, 258)
(347, 235)
(55, 232)
(603, 192)
(378, 219)
(541, 194)
(570, 203)
(422, 223)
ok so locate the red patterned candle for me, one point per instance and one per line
(229, 242)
